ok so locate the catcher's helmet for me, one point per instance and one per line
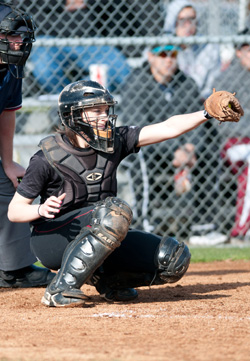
(75, 99)
(14, 22)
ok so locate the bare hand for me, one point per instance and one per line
(14, 171)
(51, 206)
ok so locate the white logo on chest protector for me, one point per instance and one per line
(94, 177)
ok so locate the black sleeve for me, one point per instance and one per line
(37, 178)
(130, 138)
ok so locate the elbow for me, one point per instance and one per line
(11, 215)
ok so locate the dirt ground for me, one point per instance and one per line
(206, 316)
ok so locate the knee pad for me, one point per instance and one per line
(110, 222)
(172, 259)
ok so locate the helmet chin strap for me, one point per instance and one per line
(18, 74)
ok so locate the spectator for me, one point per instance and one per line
(158, 87)
(236, 149)
(16, 258)
(101, 18)
(56, 66)
(161, 88)
(201, 62)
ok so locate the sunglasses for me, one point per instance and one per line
(245, 48)
(168, 54)
(191, 20)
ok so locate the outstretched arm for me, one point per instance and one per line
(221, 105)
(170, 128)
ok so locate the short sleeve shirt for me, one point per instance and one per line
(42, 180)
(10, 91)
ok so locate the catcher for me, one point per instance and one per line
(80, 227)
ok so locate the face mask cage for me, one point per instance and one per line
(16, 25)
(92, 130)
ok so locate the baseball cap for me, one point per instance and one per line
(245, 31)
(164, 48)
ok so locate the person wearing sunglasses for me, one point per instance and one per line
(158, 87)
(200, 61)
(203, 63)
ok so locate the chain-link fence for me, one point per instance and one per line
(110, 41)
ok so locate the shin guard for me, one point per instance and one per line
(111, 220)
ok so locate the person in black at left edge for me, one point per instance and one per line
(80, 227)
(16, 259)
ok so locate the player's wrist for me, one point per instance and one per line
(39, 211)
(206, 114)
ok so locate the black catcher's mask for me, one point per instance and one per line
(75, 100)
(14, 23)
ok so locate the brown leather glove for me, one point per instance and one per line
(223, 106)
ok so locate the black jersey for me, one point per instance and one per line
(43, 179)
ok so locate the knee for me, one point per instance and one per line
(172, 260)
(111, 218)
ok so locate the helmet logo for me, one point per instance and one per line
(93, 177)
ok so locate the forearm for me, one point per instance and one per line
(7, 130)
(21, 213)
(22, 210)
(180, 124)
(170, 128)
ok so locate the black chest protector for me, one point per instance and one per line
(82, 183)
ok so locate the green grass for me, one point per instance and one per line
(38, 264)
(211, 254)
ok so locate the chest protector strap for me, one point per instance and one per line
(60, 157)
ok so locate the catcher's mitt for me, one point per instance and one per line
(223, 106)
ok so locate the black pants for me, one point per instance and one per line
(50, 238)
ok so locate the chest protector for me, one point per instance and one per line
(82, 185)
